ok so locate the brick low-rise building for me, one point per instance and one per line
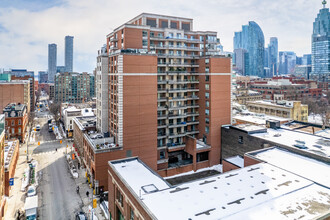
(15, 92)
(16, 121)
(11, 157)
(253, 192)
(2, 167)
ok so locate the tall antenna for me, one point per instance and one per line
(324, 3)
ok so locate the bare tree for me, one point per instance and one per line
(54, 108)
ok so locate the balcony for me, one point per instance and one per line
(161, 135)
(181, 124)
(177, 107)
(192, 89)
(113, 39)
(173, 116)
(193, 97)
(162, 99)
(193, 106)
(192, 132)
(167, 55)
(161, 90)
(192, 114)
(176, 135)
(162, 125)
(195, 122)
(159, 116)
(177, 90)
(193, 49)
(178, 98)
(161, 82)
(161, 108)
(176, 145)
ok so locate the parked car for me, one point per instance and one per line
(38, 127)
(81, 216)
(31, 191)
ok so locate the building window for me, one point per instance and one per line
(207, 103)
(185, 27)
(207, 78)
(19, 122)
(13, 130)
(240, 139)
(207, 86)
(145, 43)
(12, 122)
(19, 130)
(207, 112)
(144, 33)
(207, 70)
(207, 129)
(207, 95)
(151, 22)
(164, 24)
(207, 61)
(207, 120)
(152, 34)
(162, 154)
(119, 197)
(131, 213)
(6, 123)
(174, 25)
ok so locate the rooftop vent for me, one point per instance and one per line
(149, 188)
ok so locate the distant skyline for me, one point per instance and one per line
(25, 44)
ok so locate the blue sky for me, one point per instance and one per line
(28, 26)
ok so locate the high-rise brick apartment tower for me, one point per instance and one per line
(169, 93)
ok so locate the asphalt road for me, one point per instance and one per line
(58, 199)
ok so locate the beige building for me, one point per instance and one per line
(244, 95)
(15, 91)
(285, 109)
(2, 166)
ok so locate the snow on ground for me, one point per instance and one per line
(217, 167)
(315, 119)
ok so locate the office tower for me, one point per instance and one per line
(42, 77)
(102, 96)
(68, 62)
(251, 38)
(307, 59)
(168, 93)
(287, 62)
(273, 56)
(299, 60)
(52, 61)
(60, 69)
(241, 60)
(74, 87)
(266, 57)
(321, 45)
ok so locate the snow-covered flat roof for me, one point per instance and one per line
(221, 196)
(236, 160)
(137, 175)
(314, 144)
(311, 169)
(259, 120)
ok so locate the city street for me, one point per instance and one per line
(57, 188)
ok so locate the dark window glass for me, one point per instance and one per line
(164, 24)
(152, 23)
(186, 27)
(174, 25)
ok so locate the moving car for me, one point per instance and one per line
(81, 216)
(31, 191)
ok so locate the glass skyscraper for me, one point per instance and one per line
(273, 55)
(52, 61)
(68, 62)
(251, 38)
(321, 45)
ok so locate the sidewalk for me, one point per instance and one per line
(83, 188)
(16, 199)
